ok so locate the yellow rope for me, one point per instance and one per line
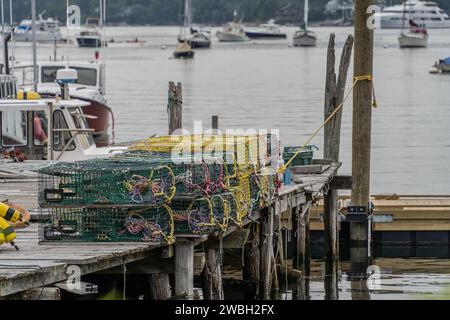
(283, 168)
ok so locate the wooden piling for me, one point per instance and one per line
(184, 269)
(362, 117)
(212, 276)
(334, 95)
(251, 268)
(331, 280)
(175, 107)
(215, 122)
(159, 286)
(295, 231)
(302, 234)
(266, 262)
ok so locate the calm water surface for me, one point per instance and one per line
(268, 84)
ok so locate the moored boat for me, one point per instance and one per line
(269, 30)
(47, 30)
(90, 87)
(427, 12)
(183, 51)
(441, 66)
(194, 37)
(305, 37)
(233, 31)
(90, 36)
(417, 37)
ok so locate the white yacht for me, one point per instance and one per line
(269, 30)
(426, 14)
(47, 30)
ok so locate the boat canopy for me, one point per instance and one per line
(447, 61)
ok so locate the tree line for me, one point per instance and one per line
(169, 12)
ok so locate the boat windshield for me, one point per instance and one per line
(86, 76)
(24, 28)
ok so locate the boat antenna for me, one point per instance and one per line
(101, 22)
(104, 22)
(33, 26)
(67, 34)
(11, 30)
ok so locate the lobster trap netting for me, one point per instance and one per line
(153, 225)
(152, 193)
(128, 181)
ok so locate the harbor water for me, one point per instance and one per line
(271, 85)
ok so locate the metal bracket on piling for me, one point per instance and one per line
(356, 214)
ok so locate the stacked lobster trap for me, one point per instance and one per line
(161, 188)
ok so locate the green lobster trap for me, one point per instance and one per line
(153, 225)
(132, 181)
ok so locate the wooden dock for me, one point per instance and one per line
(45, 265)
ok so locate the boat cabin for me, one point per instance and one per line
(48, 130)
(91, 76)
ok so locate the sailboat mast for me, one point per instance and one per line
(404, 15)
(10, 13)
(306, 13)
(187, 14)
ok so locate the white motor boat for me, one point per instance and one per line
(426, 13)
(269, 30)
(90, 87)
(233, 31)
(26, 129)
(90, 36)
(47, 30)
(305, 37)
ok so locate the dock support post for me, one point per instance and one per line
(184, 269)
(331, 225)
(334, 96)
(175, 107)
(212, 276)
(159, 286)
(266, 264)
(251, 269)
(302, 255)
(362, 118)
(295, 231)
